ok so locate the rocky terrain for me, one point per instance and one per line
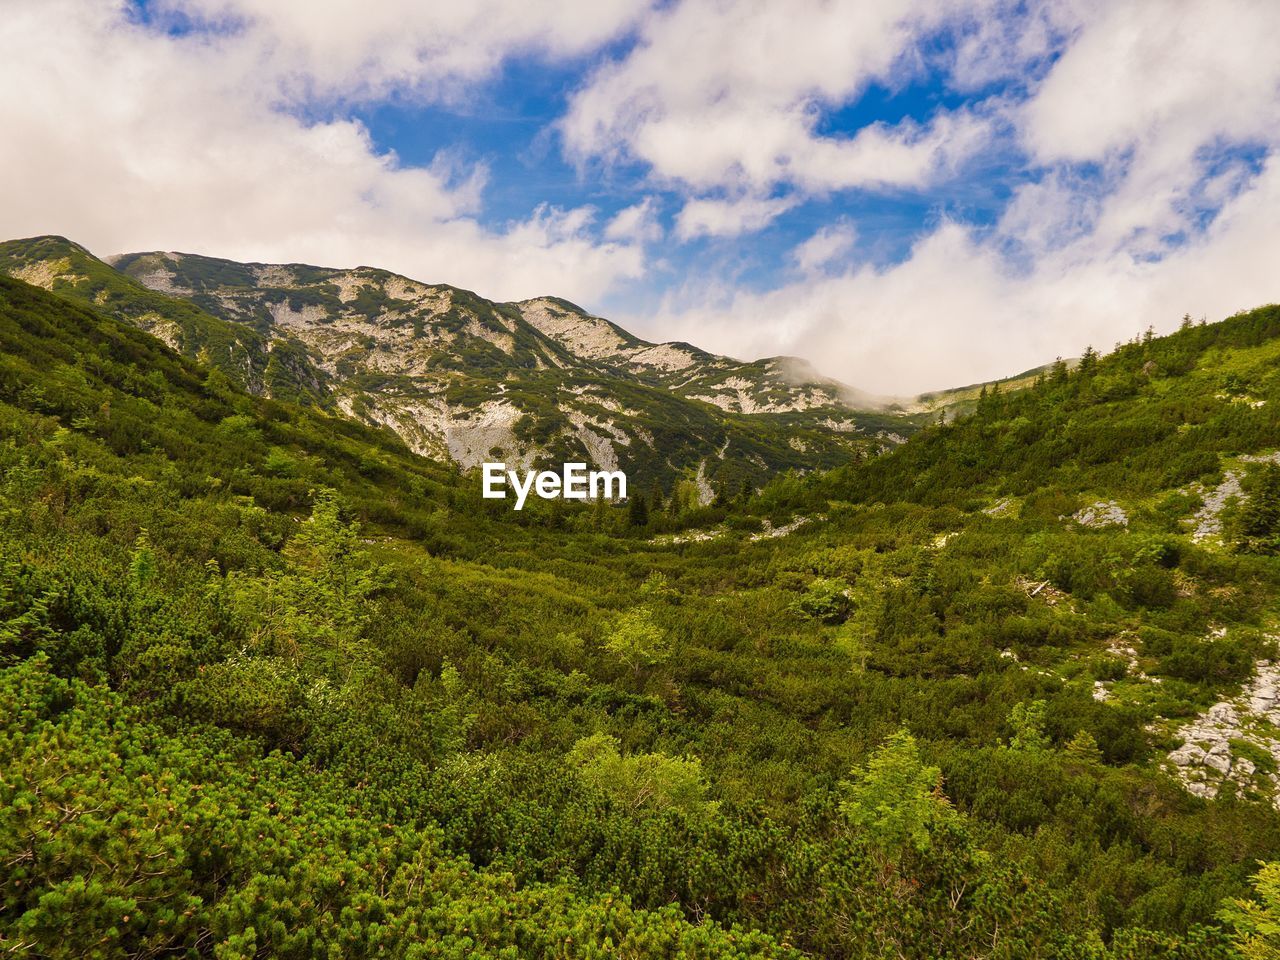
(1235, 741)
(1106, 513)
(458, 376)
(1207, 523)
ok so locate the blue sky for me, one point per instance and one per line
(508, 124)
(908, 194)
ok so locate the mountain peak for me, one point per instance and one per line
(460, 377)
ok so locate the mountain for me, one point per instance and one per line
(457, 376)
(275, 368)
(273, 685)
(958, 401)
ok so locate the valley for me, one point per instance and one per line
(1005, 689)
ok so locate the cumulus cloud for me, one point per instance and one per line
(826, 246)
(637, 223)
(1157, 93)
(1132, 148)
(729, 94)
(366, 50)
(1146, 201)
(126, 138)
(710, 217)
(955, 311)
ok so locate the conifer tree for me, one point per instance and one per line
(637, 511)
(1083, 748)
(1027, 720)
(1260, 520)
(1256, 923)
(1088, 361)
(656, 499)
(897, 800)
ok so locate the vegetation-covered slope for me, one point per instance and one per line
(273, 686)
(540, 381)
(264, 365)
(460, 377)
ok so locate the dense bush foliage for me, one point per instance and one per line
(270, 686)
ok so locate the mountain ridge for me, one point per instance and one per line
(460, 377)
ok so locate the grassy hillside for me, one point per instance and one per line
(253, 359)
(459, 377)
(961, 401)
(273, 686)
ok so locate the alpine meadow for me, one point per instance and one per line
(630, 480)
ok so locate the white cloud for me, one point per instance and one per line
(126, 138)
(1196, 77)
(1127, 118)
(1166, 76)
(1012, 42)
(365, 50)
(826, 246)
(709, 217)
(880, 156)
(955, 311)
(637, 223)
(727, 95)
(1136, 130)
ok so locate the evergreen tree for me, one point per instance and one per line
(1088, 362)
(1083, 748)
(1260, 519)
(1256, 923)
(656, 498)
(637, 511)
(896, 799)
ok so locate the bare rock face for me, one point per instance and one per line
(1211, 753)
(1207, 522)
(1004, 507)
(1208, 519)
(1104, 513)
(462, 377)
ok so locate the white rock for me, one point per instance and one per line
(1187, 755)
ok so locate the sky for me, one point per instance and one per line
(910, 195)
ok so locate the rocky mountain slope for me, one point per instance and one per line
(458, 376)
(265, 366)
